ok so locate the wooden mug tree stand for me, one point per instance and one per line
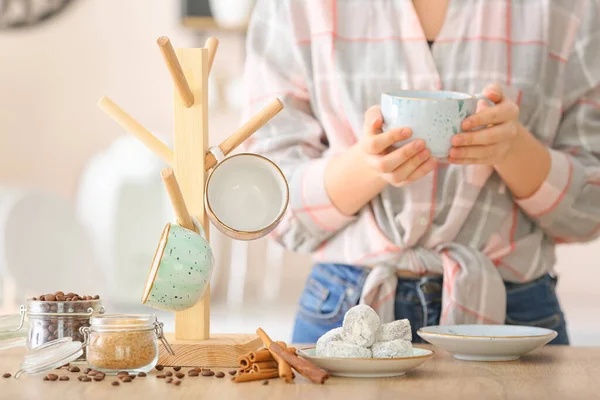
(189, 69)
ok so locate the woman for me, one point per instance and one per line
(468, 240)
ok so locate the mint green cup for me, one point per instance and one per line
(180, 271)
(433, 116)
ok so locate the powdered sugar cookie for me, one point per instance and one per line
(334, 335)
(346, 350)
(360, 326)
(394, 331)
(392, 349)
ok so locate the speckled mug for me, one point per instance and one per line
(433, 116)
(181, 269)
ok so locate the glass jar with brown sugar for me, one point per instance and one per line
(121, 342)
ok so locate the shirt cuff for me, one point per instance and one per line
(553, 190)
(310, 202)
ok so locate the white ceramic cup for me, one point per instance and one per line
(246, 196)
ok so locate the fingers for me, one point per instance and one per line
(502, 112)
(374, 141)
(389, 162)
(399, 175)
(423, 170)
(373, 119)
(494, 92)
(478, 154)
(488, 136)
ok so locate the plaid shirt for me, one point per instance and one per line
(329, 60)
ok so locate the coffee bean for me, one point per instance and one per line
(98, 378)
(159, 367)
(52, 377)
(168, 373)
(233, 372)
(219, 374)
(126, 379)
(80, 377)
(207, 372)
(169, 380)
(71, 294)
(176, 368)
(34, 298)
(132, 376)
(74, 369)
(87, 370)
(161, 376)
(141, 374)
(86, 379)
(179, 375)
(50, 297)
(46, 378)
(115, 383)
(96, 297)
(177, 383)
(42, 298)
(75, 298)
(60, 298)
(92, 372)
(122, 373)
(59, 293)
(193, 372)
(63, 378)
(6, 375)
(265, 382)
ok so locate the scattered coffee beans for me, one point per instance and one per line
(159, 367)
(126, 379)
(122, 373)
(92, 372)
(115, 383)
(63, 378)
(219, 374)
(207, 372)
(74, 369)
(87, 370)
(46, 378)
(177, 383)
(6, 375)
(86, 379)
(169, 380)
(233, 372)
(141, 374)
(193, 372)
(52, 377)
(161, 376)
(176, 368)
(265, 382)
(168, 373)
(179, 375)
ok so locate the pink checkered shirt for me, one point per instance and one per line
(330, 60)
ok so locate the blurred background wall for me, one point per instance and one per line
(81, 203)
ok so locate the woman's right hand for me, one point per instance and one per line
(397, 166)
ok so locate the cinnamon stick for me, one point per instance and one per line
(243, 361)
(304, 367)
(260, 356)
(265, 365)
(257, 376)
(285, 371)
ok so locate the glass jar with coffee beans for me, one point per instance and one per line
(58, 315)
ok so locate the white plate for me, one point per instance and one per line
(368, 367)
(487, 342)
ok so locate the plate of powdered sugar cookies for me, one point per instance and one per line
(364, 348)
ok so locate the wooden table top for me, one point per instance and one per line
(553, 372)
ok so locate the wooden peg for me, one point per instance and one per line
(136, 129)
(181, 212)
(181, 84)
(247, 130)
(211, 44)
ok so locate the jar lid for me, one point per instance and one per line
(50, 355)
(13, 330)
(123, 322)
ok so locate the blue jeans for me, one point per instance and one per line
(332, 289)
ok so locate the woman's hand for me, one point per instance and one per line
(397, 166)
(491, 145)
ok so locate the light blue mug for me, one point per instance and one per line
(433, 116)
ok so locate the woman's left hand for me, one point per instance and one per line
(491, 145)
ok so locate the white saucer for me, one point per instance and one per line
(368, 367)
(487, 342)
